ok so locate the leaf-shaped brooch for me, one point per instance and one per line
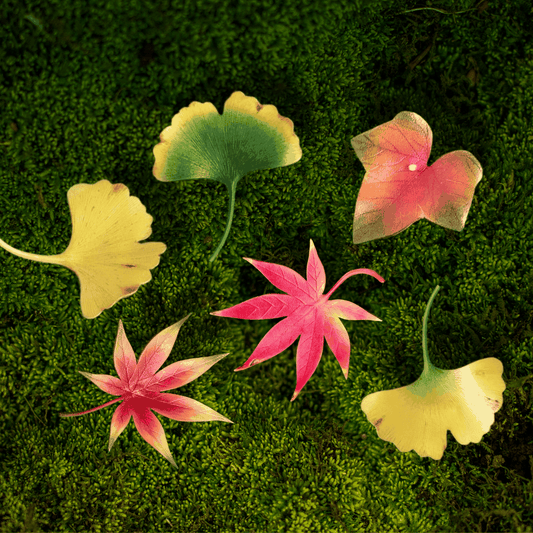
(310, 314)
(418, 416)
(201, 144)
(104, 251)
(140, 388)
(399, 187)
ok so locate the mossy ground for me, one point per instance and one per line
(85, 92)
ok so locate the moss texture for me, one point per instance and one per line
(84, 94)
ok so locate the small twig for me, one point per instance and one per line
(435, 9)
(36, 21)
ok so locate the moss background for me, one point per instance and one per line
(84, 94)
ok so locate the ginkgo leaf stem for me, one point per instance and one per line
(427, 362)
(231, 188)
(56, 259)
(93, 409)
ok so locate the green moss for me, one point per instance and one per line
(85, 93)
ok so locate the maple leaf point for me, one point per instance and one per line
(309, 314)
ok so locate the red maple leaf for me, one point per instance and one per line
(310, 314)
(139, 388)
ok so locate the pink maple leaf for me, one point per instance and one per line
(139, 388)
(400, 188)
(310, 314)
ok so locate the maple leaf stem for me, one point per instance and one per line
(93, 409)
(231, 206)
(33, 257)
(353, 273)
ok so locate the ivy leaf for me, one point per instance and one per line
(310, 316)
(201, 144)
(399, 187)
(140, 388)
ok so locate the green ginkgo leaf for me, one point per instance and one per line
(201, 144)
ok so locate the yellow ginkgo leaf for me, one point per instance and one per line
(104, 250)
(418, 416)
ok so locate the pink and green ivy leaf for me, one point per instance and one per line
(400, 188)
(311, 315)
(140, 388)
(201, 144)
